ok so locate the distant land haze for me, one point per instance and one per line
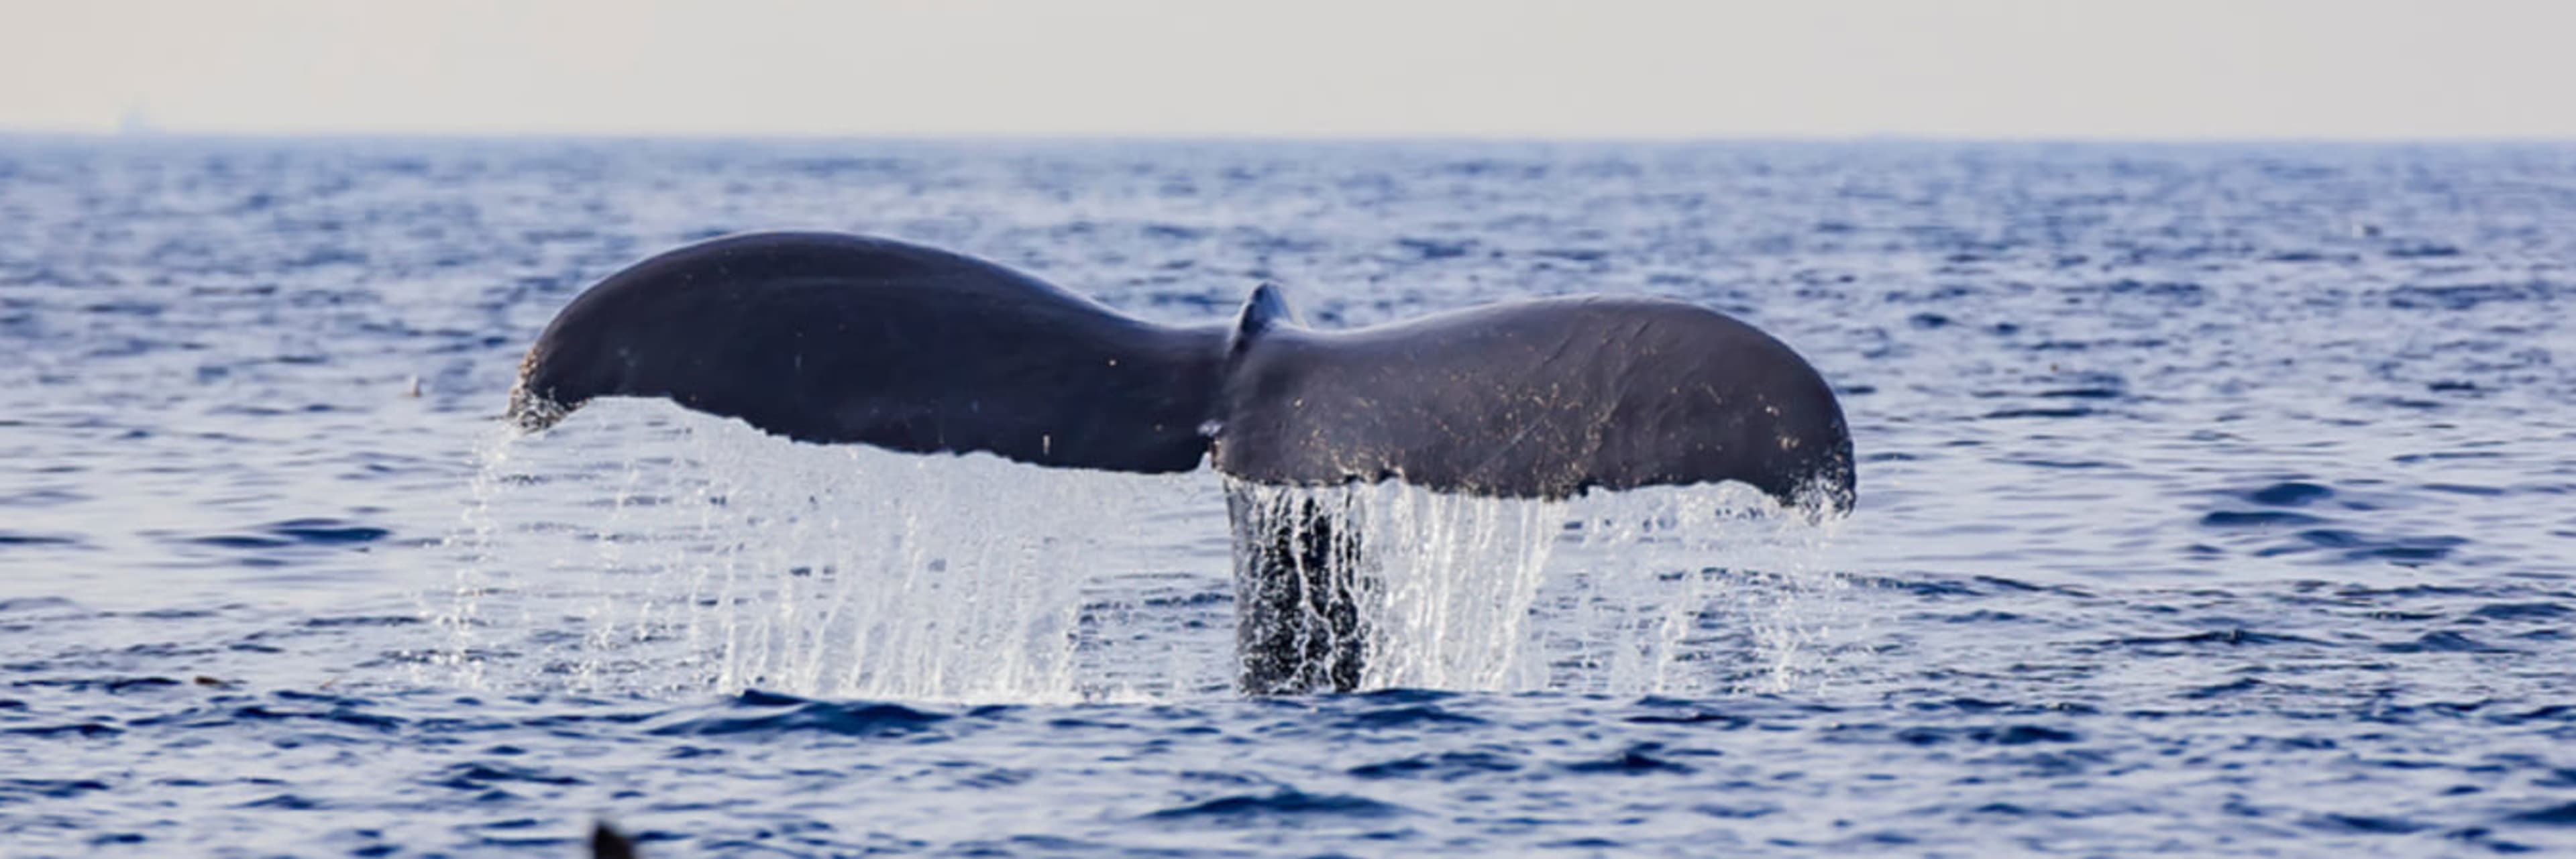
(1994, 69)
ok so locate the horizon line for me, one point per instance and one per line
(8, 133)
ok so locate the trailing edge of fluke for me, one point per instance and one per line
(837, 338)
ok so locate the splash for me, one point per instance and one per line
(648, 550)
(456, 612)
(1610, 593)
(1695, 590)
(654, 552)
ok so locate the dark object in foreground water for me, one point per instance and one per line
(850, 339)
(607, 843)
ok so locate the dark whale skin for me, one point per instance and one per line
(841, 339)
(1543, 398)
(832, 338)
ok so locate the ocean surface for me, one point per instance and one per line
(2214, 500)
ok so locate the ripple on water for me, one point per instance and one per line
(482, 776)
(1444, 766)
(2290, 494)
(2443, 641)
(2556, 815)
(10, 539)
(297, 532)
(1639, 759)
(1281, 806)
(2235, 519)
(797, 716)
(1412, 717)
(2523, 611)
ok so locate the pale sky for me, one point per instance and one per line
(2069, 69)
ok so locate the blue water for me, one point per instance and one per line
(2215, 500)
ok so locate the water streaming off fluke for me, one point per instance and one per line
(641, 548)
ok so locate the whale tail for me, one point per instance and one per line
(847, 339)
(1546, 398)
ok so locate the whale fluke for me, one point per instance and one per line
(1543, 398)
(849, 339)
